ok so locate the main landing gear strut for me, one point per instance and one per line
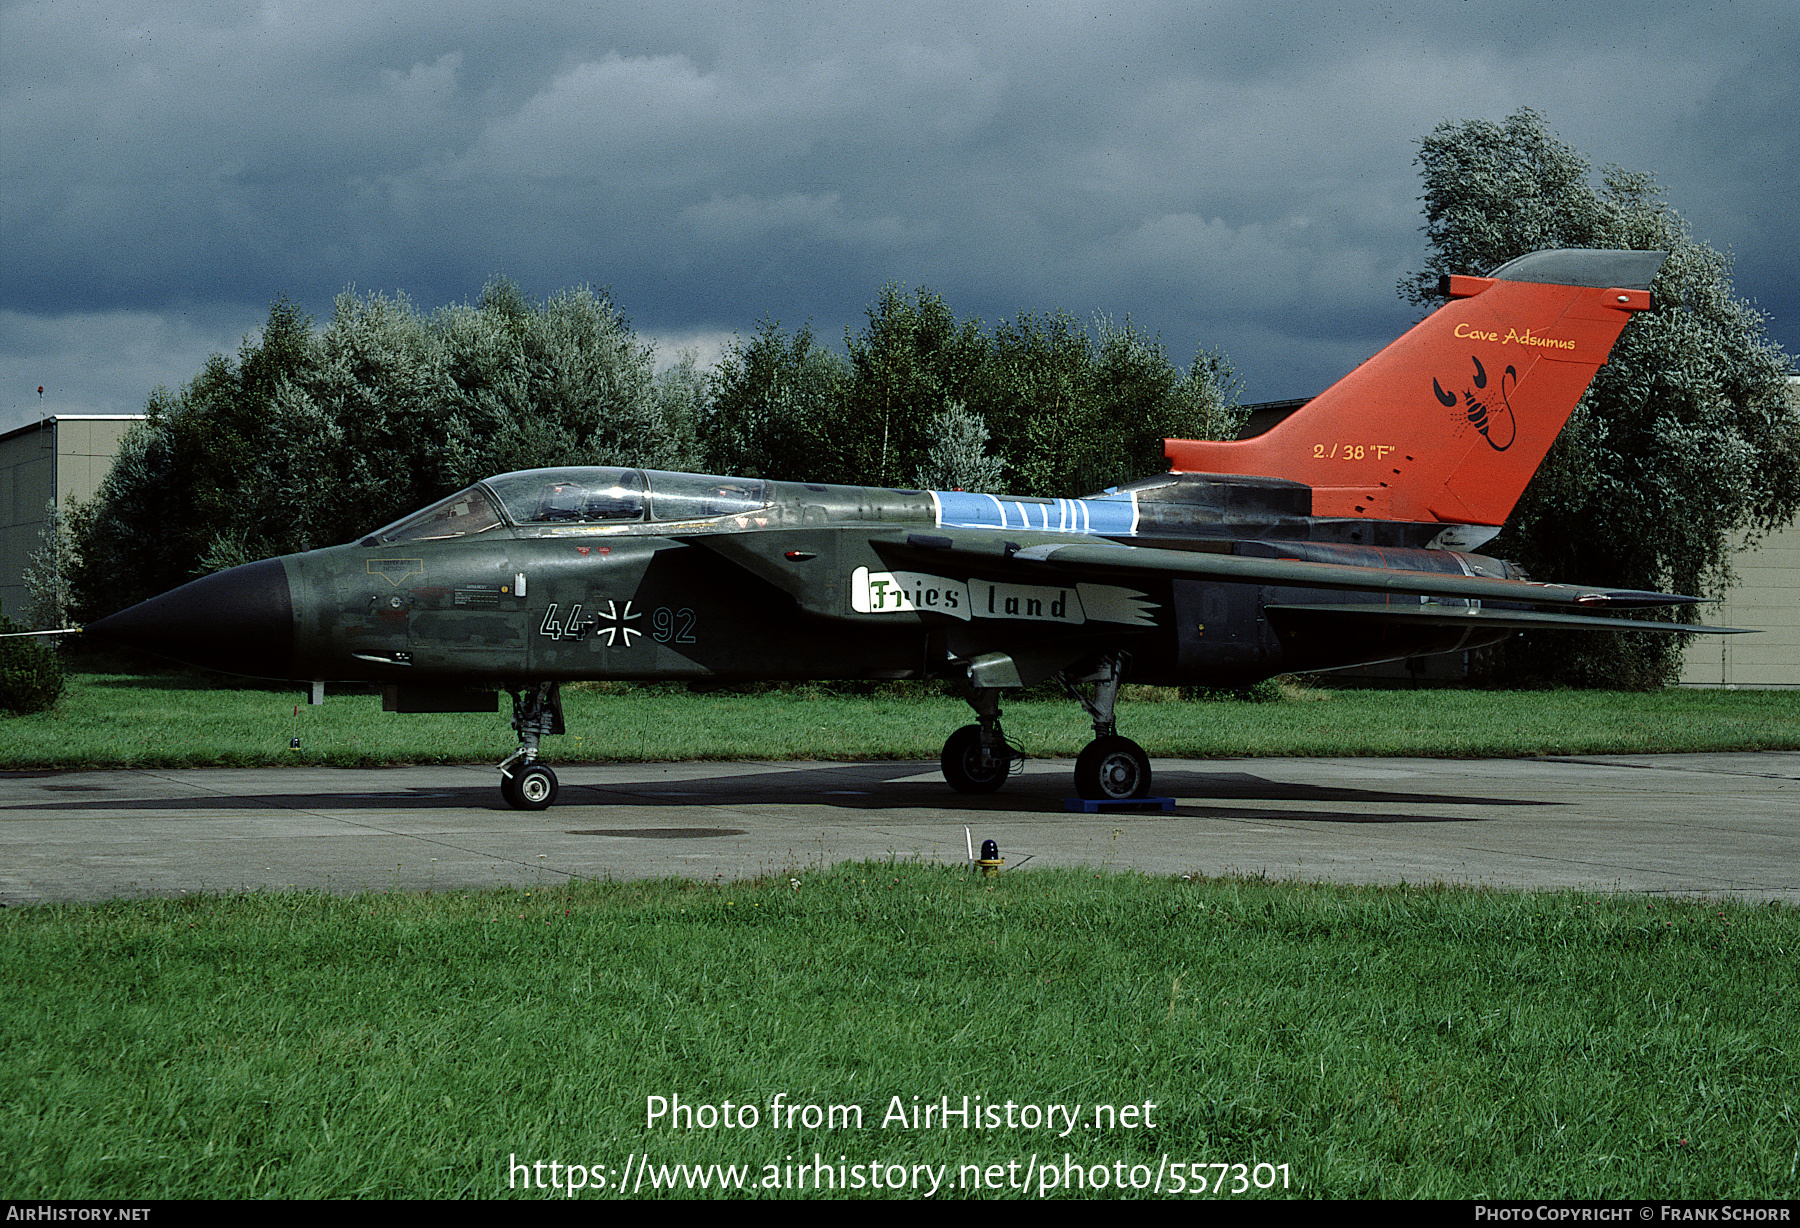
(525, 783)
(1110, 768)
(978, 758)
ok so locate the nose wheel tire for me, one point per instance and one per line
(967, 767)
(1112, 769)
(532, 787)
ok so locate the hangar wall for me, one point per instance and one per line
(1766, 599)
(65, 455)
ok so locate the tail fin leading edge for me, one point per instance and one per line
(1450, 421)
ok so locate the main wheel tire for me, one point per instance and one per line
(1112, 769)
(965, 766)
(532, 787)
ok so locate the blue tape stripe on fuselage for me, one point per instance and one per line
(961, 509)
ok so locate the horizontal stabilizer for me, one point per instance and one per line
(1195, 564)
(1522, 620)
(1637, 599)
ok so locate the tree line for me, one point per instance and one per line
(311, 437)
(1684, 447)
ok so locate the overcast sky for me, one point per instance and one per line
(1229, 175)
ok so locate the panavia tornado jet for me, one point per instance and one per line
(1341, 536)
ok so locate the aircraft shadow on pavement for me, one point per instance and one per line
(845, 786)
(851, 787)
(92, 798)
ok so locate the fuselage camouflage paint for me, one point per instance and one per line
(808, 581)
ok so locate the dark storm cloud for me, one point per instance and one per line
(1229, 175)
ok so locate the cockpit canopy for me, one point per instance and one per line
(585, 496)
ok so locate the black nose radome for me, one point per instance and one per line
(239, 621)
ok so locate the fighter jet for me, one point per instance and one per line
(1341, 536)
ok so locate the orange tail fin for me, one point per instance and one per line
(1449, 422)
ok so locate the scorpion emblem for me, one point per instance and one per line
(1491, 421)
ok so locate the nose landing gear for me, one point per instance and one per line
(526, 784)
(532, 787)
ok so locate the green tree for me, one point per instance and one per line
(31, 678)
(679, 406)
(49, 578)
(562, 382)
(307, 439)
(913, 359)
(368, 424)
(187, 492)
(1146, 398)
(958, 457)
(1684, 447)
(775, 409)
(1078, 410)
(1039, 405)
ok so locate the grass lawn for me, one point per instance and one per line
(171, 721)
(1283, 1039)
